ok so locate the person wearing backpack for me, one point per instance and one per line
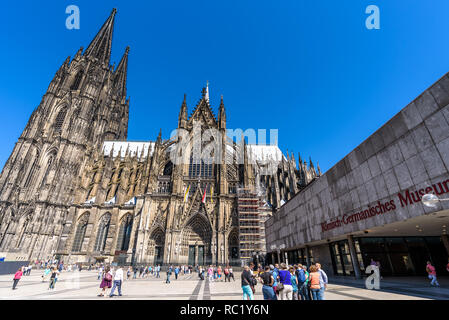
(303, 287)
(314, 282)
(106, 281)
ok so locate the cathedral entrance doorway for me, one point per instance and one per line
(156, 246)
(196, 242)
(233, 245)
(158, 254)
(192, 255)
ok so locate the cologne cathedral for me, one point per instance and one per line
(74, 188)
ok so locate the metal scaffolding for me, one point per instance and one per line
(251, 228)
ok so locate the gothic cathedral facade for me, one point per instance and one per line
(74, 187)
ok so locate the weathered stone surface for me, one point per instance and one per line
(409, 153)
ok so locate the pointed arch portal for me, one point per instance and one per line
(196, 238)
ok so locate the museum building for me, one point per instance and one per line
(369, 205)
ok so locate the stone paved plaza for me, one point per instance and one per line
(188, 287)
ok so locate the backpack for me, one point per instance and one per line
(108, 277)
(301, 276)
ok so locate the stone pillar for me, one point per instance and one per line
(196, 255)
(445, 239)
(279, 255)
(355, 260)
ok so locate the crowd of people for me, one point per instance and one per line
(216, 273)
(279, 281)
(283, 282)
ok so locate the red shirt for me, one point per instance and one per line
(18, 275)
(431, 270)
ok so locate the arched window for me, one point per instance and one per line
(200, 168)
(31, 172)
(168, 169)
(76, 83)
(102, 235)
(24, 229)
(80, 233)
(59, 121)
(47, 171)
(124, 234)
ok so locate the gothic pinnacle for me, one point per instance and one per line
(120, 75)
(100, 47)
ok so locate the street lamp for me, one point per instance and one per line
(431, 200)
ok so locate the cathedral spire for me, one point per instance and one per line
(310, 162)
(222, 114)
(207, 92)
(120, 75)
(100, 47)
(159, 137)
(182, 121)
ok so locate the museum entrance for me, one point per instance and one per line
(397, 256)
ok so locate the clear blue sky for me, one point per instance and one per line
(308, 68)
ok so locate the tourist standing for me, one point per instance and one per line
(200, 273)
(285, 279)
(266, 278)
(53, 278)
(219, 272)
(231, 274)
(294, 282)
(17, 278)
(323, 280)
(314, 282)
(226, 274)
(303, 281)
(106, 281)
(176, 273)
(168, 275)
(276, 279)
(46, 272)
(210, 273)
(432, 274)
(128, 273)
(158, 270)
(118, 280)
(247, 279)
